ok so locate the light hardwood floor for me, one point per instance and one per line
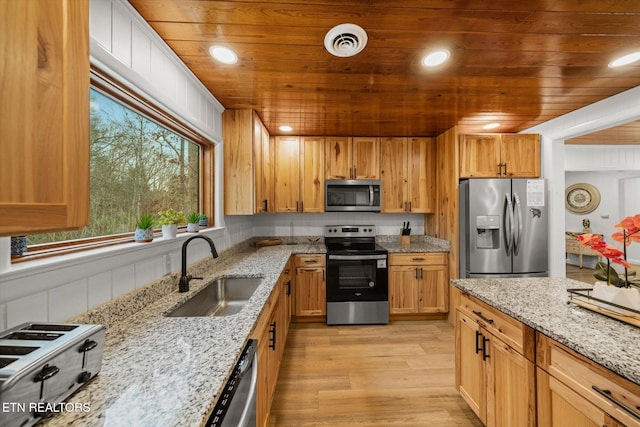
(401, 374)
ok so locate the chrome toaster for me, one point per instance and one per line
(42, 364)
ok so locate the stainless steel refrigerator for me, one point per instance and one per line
(503, 228)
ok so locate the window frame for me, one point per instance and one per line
(141, 105)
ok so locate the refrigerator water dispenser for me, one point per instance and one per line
(488, 232)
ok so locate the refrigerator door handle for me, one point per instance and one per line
(517, 207)
(508, 224)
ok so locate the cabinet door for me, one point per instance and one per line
(263, 400)
(421, 165)
(263, 168)
(393, 173)
(479, 156)
(433, 286)
(366, 158)
(559, 406)
(44, 116)
(470, 376)
(510, 386)
(287, 173)
(338, 158)
(520, 154)
(403, 289)
(312, 174)
(310, 293)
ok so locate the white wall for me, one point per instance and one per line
(609, 112)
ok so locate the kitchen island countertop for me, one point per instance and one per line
(168, 371)
(541, 303)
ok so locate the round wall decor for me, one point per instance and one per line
(581, 198)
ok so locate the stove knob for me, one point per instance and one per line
(371, 284)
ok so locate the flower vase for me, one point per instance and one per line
(626, 297)
(169, 231)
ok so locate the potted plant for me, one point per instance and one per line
(203, 221)
(144, 228)
(192, 222)
(611, 286)
(169, 221)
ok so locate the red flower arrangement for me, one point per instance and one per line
(629, 231)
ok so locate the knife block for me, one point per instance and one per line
(405, 240)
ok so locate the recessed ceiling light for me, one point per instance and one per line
(491, 126)
(625, 60)
(285, 128)
(435, 58)
(223, 54)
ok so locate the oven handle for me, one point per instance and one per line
(357, 257)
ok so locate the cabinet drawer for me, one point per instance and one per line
(514, 333)
(601, 387)
(418, 258)
(310, 260)
(572, 246)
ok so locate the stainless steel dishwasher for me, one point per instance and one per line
(237, 403)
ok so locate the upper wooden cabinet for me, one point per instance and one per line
(299, 174)
(500, 155)
(352, 158)
(44, 116)
(407, 171)
(247, 164)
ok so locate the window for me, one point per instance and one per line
(137, 167)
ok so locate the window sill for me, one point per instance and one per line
(77, 257)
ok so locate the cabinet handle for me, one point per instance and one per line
(309, 261)
(288, 285)
(266, 205)
(485, 355)
(350, 172)
(499, 169)
(323, 278)
(272, 335)
(301, 205)
(421, 273)
(607, 395)
(479, 314)
(416, 273)
(410, 207)
(355, 174)
(417, 259)
(505, 169)
(478, 335)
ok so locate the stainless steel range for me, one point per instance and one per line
(357, 277)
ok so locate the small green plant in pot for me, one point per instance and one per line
(203, 221)
(169, 220)
(144, 228)
(192, 222)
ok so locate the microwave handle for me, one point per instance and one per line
(371, 195)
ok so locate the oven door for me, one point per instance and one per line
(353, 277)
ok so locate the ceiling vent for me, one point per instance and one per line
(345, 40)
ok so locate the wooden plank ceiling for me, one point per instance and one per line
(516, 62)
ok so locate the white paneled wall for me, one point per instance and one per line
(125, 47)
(602, 157)
(312, 224)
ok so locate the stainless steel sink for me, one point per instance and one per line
(222, 297)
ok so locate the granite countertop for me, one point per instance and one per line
(169, 371)
(541, 303)
(417, 244)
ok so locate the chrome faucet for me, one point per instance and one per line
(183, 286)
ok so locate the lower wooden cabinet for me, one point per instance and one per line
(418, 283)
(271, 332)
(310, 287)
(573, 390)
(496, 379)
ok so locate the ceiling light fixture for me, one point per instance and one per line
(625, 60)
(491, 126)
(435, 58)
(345, 40)
(285, 128)
(223, 54)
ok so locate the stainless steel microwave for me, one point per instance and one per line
(352, 195)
